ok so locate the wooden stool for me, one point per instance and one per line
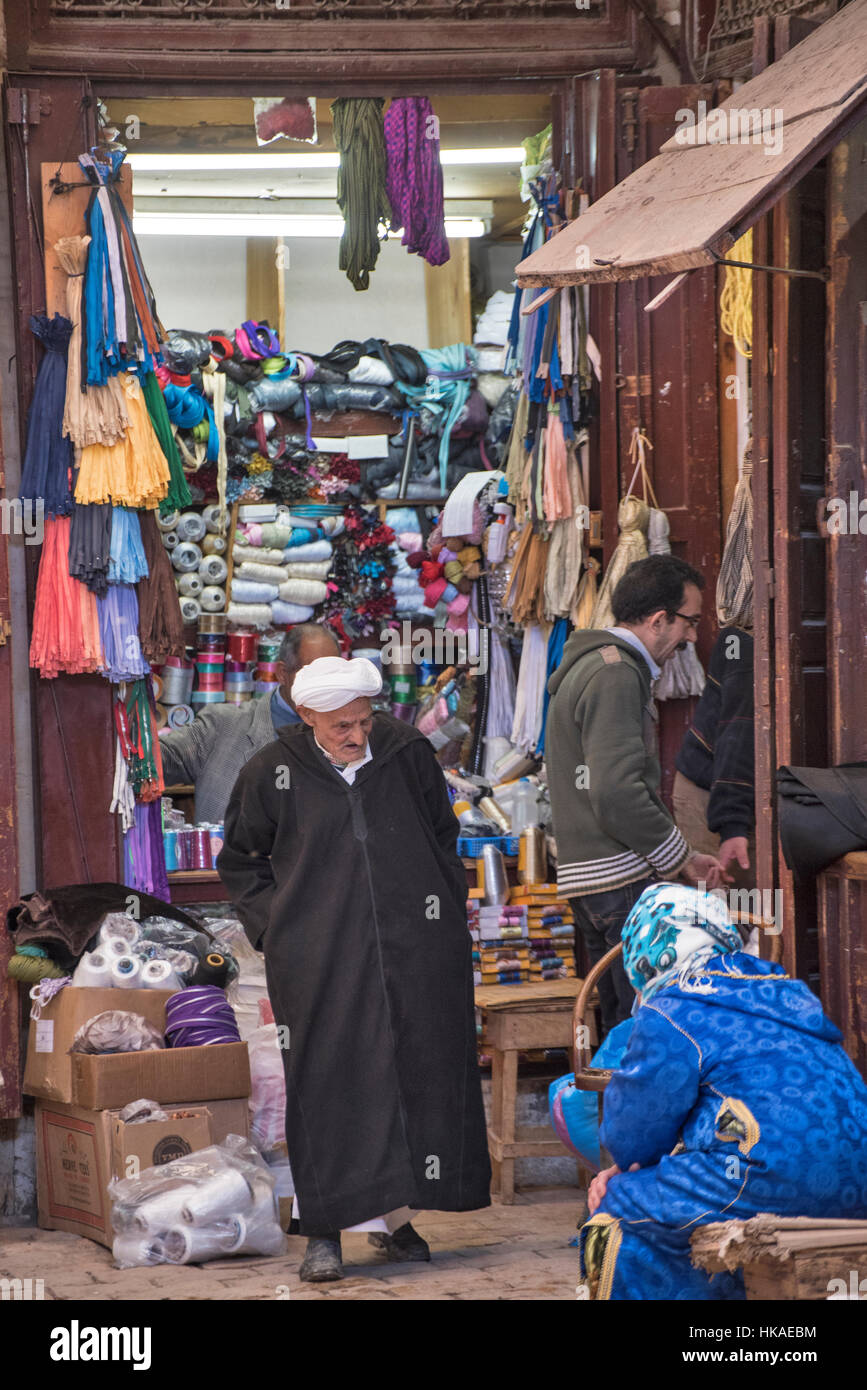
(518, 1018)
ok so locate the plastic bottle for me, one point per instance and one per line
(523, 811)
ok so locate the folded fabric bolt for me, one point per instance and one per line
(263, 574)
(317, 569)
(257, 555)
(247, 591)
(302, 554)
(256, 615)
(288, 614)
(303, 591)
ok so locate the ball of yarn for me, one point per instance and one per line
(169, 521)
(257, 615)
(213, 569)
(190, 585)
(190, 527)
(302, 591)
(248, 591)
(211, 517)
(214, 545)
(191, 610)
(170, 539)
(288, 614)
(30, 969)
(186, 556)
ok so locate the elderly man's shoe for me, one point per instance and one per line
(322, 1262)
(404, 1245)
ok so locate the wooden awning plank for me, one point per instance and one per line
(689, 204)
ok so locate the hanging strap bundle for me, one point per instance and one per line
(633, 517)
(361, 192)
(734, 589)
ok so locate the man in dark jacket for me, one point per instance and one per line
(614, 834)
(714, 786)
(340, 855)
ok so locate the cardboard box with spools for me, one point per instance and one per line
(169, 1075)
(79, 1150)
(81, 1142)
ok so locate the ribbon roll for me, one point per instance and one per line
(213, 600)
(168, 522)
(190, 609)
(214, 545)
(213, 569)
(191, 527)
(170, 539)
(180, 716)
(186, 556)
(189, 585)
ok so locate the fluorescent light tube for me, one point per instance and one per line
(321, 159)
(288, 225)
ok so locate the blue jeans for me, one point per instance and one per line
(600, 918)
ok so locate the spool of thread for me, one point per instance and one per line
(170, 539)
(185, 1245)
(212, 622)
(184, 849)
(223, 1198)
(208, 697)
(189, 585)
(201, 850)
(238, 697)
(170, 850)
(119, 928)
(241, 646)
(130, 1249)
(496, 884)
(157, 1213)
(211, 517)
(186, 556)
(126, 972)
(266, 670)
(497, 815)
(115, 948)
(213, 969)
(213, 599)
(265, 688)
(184, 963)
(169, 521)
(268, 649)
(190, 609)
(532, 855)
(177, 677)
(180, 716)
(214, 642)
(156, 685)
(404, 689)
(190, 527)
(159, 974)
(259, 1234)
(160, 716)
(213, 569)
(93, 971)
(214, 545)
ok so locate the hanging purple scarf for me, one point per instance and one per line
(144, 862)
(414, 180)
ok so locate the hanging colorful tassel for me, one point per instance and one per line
(134, 471)
(414, 178)
(178, 496)
(48, 457)
(65, 620)
(123, 659)
(143, 854)
(361, 196)
(92, 414)
(135, 721)
(127, 563)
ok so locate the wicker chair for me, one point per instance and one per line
(587, 1077)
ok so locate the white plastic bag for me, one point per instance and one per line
(208, 1205)
(268, 1088)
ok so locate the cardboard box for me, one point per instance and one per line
(48, 1069)
(169, 1076)
(78, 1151)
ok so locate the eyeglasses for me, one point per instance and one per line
(689, 618)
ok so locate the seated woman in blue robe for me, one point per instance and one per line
(734, 1097)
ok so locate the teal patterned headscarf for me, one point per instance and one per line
(671, 932)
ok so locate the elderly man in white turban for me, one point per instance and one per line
(340, 855)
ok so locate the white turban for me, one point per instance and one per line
(330, 682)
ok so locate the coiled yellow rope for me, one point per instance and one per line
(736, 300)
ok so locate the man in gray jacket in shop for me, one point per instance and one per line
(614, 833)
(211, 751)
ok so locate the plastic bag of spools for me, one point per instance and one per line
(206, 1206)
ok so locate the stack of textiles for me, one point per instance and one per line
(551, 931)
(503, 951)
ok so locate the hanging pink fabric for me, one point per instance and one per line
(414, 178)
(557, 494)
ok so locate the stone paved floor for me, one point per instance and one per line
(514, 1252)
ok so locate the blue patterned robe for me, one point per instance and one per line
(733, 1102)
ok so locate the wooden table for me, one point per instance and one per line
(518, 1018)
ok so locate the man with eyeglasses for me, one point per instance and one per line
(614, 834)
